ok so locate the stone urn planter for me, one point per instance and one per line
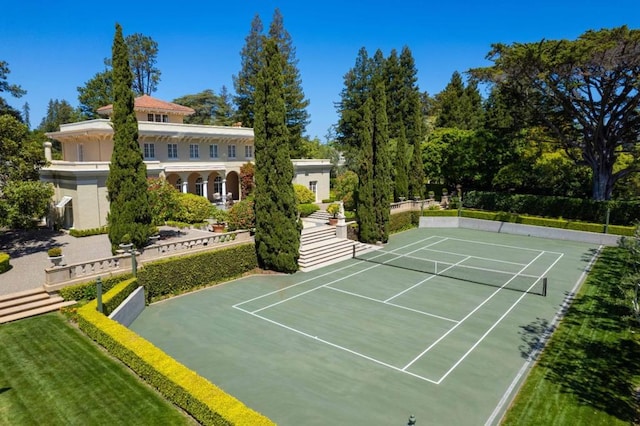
(55, 256)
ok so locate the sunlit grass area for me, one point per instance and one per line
(589, 372)
(51, 374)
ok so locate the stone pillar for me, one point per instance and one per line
(185, 186)
(224, 191)
(47, 151)
(205, 189)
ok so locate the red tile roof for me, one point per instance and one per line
(148, 103)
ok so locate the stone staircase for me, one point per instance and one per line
(29, 303)
(319, 247)
(319, 215)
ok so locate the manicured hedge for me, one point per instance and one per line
(552, 223)
(89, 232)
(4, 262)
(440, 213)
(114, 297)
(87, 290)
(306, 209)
(177, 275)
(624, 213)
(207, 403)
(403, 221)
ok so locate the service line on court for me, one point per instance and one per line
(329, 283)
(469, 314)
(498, 245)
(331, 272)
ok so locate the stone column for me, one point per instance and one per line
(224, 191)
(205, 189)
(47, 151)
(185, 186)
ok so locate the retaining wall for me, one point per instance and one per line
(130, 308)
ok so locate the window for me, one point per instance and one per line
(158, 118)
(149, 151)
(199, 187)
(213, 151)
(80, 152)
(231, 151)
(194, 151)
(179, 184)
(172, 150)
(248, 151)
(217, 185)
(313, 187)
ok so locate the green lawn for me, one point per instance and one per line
(589, 372)
(51, 374)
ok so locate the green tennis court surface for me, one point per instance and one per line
(440, 324)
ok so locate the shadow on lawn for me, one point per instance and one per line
(594, 356)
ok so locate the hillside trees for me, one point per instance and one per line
(127, 181)
(277, 236)
(585, 92)
(13, 89)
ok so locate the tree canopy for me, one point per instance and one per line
(13, 89)
(586, 92)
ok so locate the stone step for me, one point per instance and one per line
(330, 257)
(324, 245)
(22, 307)
(34, 312)
(18, 295)
(16, 301)
(310, 239)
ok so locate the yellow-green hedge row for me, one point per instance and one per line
(207, 403)
(4, 262)
(114, 297)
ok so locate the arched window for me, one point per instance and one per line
(217, 185)
(199, 188)
(179, 184)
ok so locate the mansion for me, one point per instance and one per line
(199, 159)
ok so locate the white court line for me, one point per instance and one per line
(328, 273)
(384, 302)
(425, 280)
(326, 342)
(329, 283)
(476, 257)
(499, 245)
(468, 315)
(545, 337)
(499, 320)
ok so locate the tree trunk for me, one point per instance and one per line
(602, 184)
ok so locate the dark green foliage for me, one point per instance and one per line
(242, 215)
(401, 188)
(415, 136)
(96, 93)
(245, 82)
(459, 106)
(187, 273)
(112, 300)
(277, 228)
(622, 212)
(59, 112)
(382, 184)
(87, 290)
(365, 210)
(164, 201)
(127, 182)
(402, 221)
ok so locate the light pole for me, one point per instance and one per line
(99, 293)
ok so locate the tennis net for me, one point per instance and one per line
(489, 275)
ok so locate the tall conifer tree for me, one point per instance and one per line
(297, 116)
(277, 236)
(382, 184)
(365, 211)
(401, 184)
(127, 182)
(244, 83)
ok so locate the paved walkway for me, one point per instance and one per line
(28, 251)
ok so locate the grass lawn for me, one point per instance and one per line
(52, 374)
(589, 372)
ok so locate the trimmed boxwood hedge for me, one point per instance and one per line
(177, 275)
(4, 262)
(87, 290)
(114, 297)
(207, 403)
(402, 221)
(307, 209)
(88, 232)
(624, 213)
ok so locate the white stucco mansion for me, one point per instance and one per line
(200, 159)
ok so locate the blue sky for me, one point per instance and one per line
(54, 47)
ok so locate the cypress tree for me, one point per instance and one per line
(382, 184)
(401, 184)
(127, 182)
(277, 237)
(365, 212)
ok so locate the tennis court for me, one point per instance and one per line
(439, 323)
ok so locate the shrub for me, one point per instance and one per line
(116, 295)
(403, 221)
(219, 215)
(345, 185)
(333, 209)
(88, 232)
(242, 215)
(182, 274)
(303, 194)
(54, 252)
(307, 209)
(4, 262)
(87, 289)
(207, 403)
(164, 200)
(193, 208)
